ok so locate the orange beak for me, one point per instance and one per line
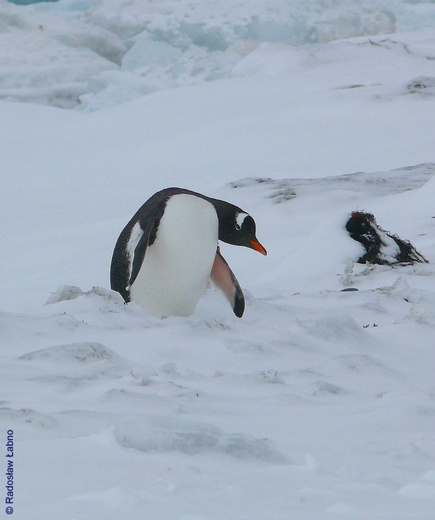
(258, 247)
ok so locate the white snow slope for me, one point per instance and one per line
(318, 404)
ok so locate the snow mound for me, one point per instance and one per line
(76, 353)
(421, 302)
(71, 292)
(373, 183)
(76, 363)
(424, 488)
(26, 417)
(64, 293)
(424, 85)
(335, 327)
(192, 437)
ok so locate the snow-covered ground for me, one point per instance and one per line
(319, 403)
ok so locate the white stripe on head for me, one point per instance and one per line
(240, 218)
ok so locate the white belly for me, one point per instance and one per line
(177, 266)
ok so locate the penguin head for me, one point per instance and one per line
(237, 227)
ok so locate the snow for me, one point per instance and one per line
(319, 402)
(101, 53)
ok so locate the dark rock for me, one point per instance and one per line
(381, 247)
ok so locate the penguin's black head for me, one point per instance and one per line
(236, 227)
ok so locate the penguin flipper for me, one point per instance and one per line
(149, 227)
(222, 276)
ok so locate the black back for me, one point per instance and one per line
(148, 216)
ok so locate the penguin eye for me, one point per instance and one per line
(238, 228)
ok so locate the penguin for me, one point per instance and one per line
(168, 251)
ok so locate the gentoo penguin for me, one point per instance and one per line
(169, 250)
